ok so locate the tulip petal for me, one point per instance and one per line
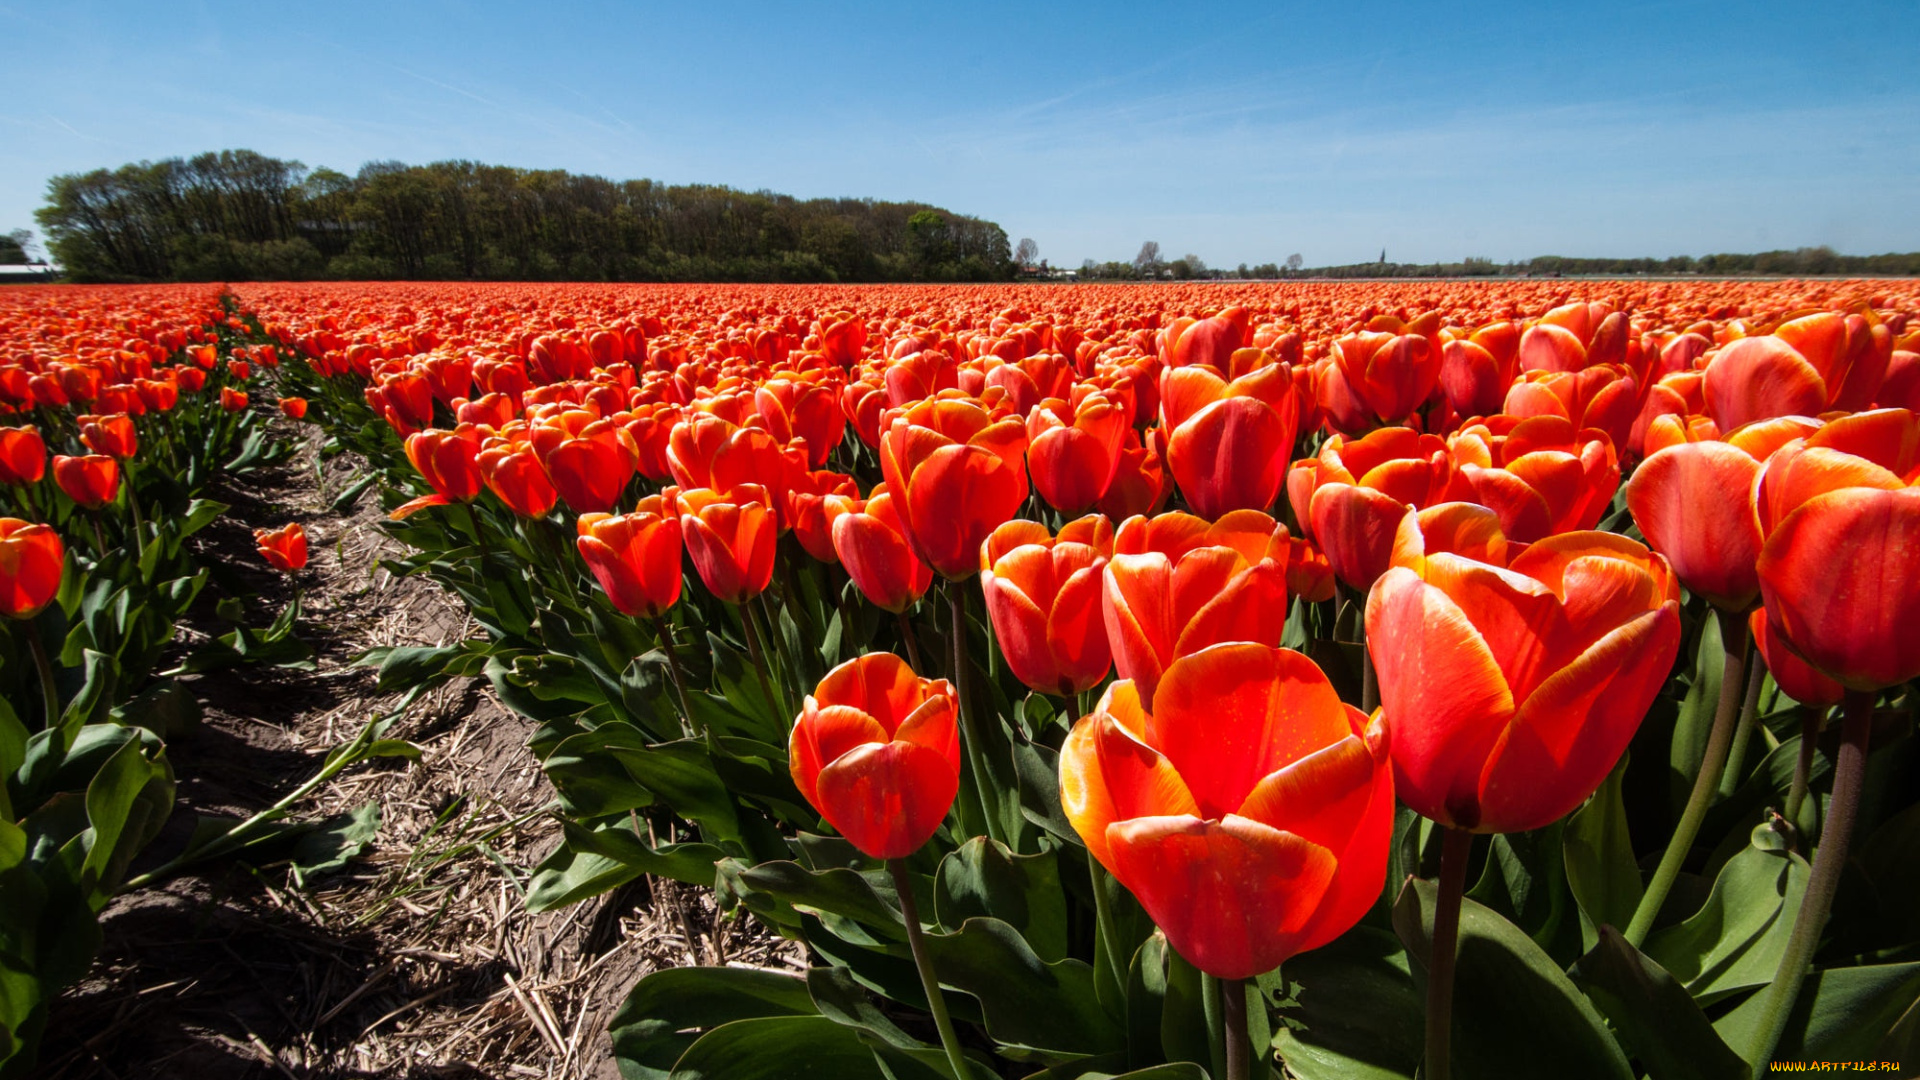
(1229, 715)
(1841, 580)
(1231, 895)
(888, 799)
(1571, 731)
(1694, 503)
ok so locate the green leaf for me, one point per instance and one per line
(1689, 748)
(654, 1024)
(332, 845)
(982, 878)
(1656, 1018)
(166, 708)
(1525, 882)
(594, 861)
(1601, 871)
(1048, 1007)
(127, 802)
(1842, 1014)
(1358, 1012)
(349, 497)
(779, 1048)
(1513, 1008)
(1735, 941)
(867, 900)
(613, 769)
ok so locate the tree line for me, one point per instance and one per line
(238, 215)
(1806, 261)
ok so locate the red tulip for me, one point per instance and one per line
(23, 455)
(873, 547)
(877, 752)
(295, 408)
(1140, 482)
(731, 536)
(1176, 584)
(635, 557)
(232, 400)
(1350, 498)
(813, 502)
(1476, 371)
(285, 548)
(1228, 443)
(1511, 691)
(92, 480)
(1795, 677)
(1247, 808)
(1043, 597)
(955, 474)
(1840, 566)
(32, 560)
(794, 409)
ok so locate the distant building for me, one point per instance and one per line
(28, 273)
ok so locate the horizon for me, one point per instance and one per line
(1615, 137)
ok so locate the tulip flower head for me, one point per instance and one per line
(1840, 566)
(1248, 810)
(872, 545)
(23, 455)
(1044, 598)
(877, 751)
(635, 557)
(91, 480)
(285, 548)
(1511, 691)
(32, 560)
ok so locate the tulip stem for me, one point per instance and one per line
(1706, 783)
(1106, 934)
(936, 1004)
(790, 668)
(133, 503)
(1742, 735)
(759, 658)
(1455, 850)
(1233, 1002)
(665, 633)
(50, 696)
(969, 724)
(1811, 720)
(1849, 776)
(479, 537)
(906, 635)
(99, 538)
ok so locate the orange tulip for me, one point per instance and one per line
(1540, 474)
(232, 400)
(635, 557)
(1350, 498)
(1228, 443)
(1840, 566)
(1390, 374)
(1694, 503)
(588, 459)
(1511, 691)
(731, 536)
(92, 480)
(514, 475)
(23, 455)
(1043, 597)
(449, 462)
(1140, 482)
(285, 548)
(873, 547)
(955, 474)
(1176, 584)
(877, 751)
(32, 560)
(1247, 808)
(294, 408)
(1074, 452)
(113, 436)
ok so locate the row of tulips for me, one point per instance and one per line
(1179, 780)
(117, 409)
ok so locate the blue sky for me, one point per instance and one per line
(1240, 133)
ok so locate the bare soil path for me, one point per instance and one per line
(417, 959)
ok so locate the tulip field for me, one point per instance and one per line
(1365, 680)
